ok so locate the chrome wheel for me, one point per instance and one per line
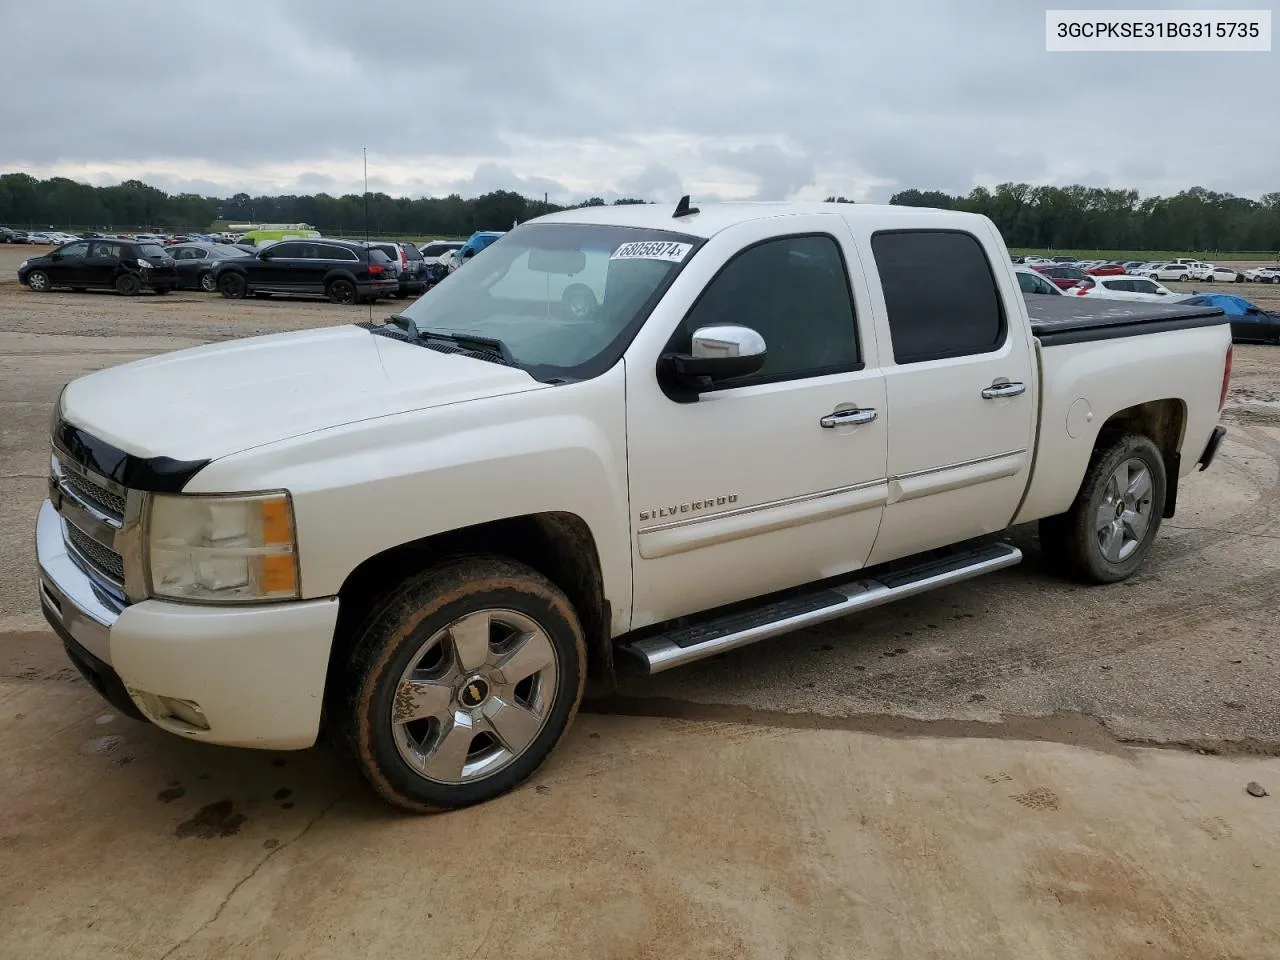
(207, 284)
(38, 281)
(1124, 515)
(474, 696)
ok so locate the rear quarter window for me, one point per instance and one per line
(940, 294)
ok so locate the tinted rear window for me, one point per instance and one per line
(411, 252)
(377, 256)
(940, 294)
(152, 250)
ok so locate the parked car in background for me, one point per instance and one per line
(1123, 288)
(39, 237)
(1263, 275)
(126, 266)
(1031, 281)
(1063, 260)
(1166, 271)
(412, 269)
(1209, 273)
(477, 242)
(1249, 322)
(344, 271)
(1063, 276)
(1106, 270)
(437, 254)
(195, 262)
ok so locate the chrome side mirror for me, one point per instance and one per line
(720, 352)
(729, 341)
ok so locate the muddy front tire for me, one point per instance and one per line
(461, 683)
(1108, 532)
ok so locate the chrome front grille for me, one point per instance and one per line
(100, 559)
(93, 511)
(107, 501)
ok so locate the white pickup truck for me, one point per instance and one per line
(425, 535)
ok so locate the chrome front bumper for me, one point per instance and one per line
(68, 596)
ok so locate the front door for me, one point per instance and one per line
(765, 482)
(66, 264)
(960, 384)
(278, 271)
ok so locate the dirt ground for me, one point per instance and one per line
(1014, 767)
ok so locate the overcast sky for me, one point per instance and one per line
(732, 99)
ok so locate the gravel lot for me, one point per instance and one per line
(1184, 655)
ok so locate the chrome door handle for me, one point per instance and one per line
(1003, 389)
(841, 418)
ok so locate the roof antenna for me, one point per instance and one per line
(683, 209)
(364, 151)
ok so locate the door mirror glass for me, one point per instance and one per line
(718, 353)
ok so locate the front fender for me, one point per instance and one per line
(363, 488)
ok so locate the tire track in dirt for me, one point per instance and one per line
(1262, 516)
(1208, 608)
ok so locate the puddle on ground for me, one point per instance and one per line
(101, 745)
(212, 821)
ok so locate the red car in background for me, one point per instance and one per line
(1107, 270)
(1064, 277)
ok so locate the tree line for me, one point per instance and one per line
(1092, 218)
(1047, 218)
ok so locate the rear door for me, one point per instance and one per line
(960, 387)
(102, 264)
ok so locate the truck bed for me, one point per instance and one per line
(1068, 319)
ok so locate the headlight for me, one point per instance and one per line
(224, 549)
(23, 264)
(144, 264)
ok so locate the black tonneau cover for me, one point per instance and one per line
(1068, 319)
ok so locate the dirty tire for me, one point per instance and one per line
(232, 286)
(341, 291)
(128, 285)
(392, 638)
(1071, 540)
(38, 281)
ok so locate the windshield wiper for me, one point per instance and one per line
(485, 347)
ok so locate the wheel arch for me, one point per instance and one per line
(1165, 423)
(559, 545)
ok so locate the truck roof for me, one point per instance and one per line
(714, 217)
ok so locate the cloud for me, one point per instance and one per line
(655, 182)
(578, 98)
(778, 174)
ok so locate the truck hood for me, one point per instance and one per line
(210, 401)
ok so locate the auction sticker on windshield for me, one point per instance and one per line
(652, 250)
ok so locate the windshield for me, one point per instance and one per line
(565, 299)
